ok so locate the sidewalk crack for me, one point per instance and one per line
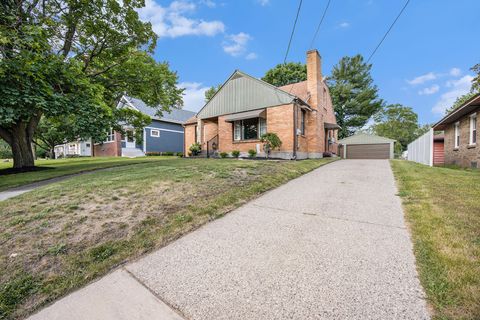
(330, 217)
(169, 305)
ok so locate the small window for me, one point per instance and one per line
(457, 135)
(87, 145)
(473, 129)
(302, 122)
(155, 133)
(110, 135)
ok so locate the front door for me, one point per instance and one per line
(130, 139)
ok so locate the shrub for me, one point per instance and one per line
(271, 141)
(223, 155)
(235, 153)
(5, 151)
(152, 154)
(252, 153)
(195, 148)
(168, 153)
(327, 154)
(180, 154)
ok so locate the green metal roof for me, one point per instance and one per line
(363, 138)
(242, 92)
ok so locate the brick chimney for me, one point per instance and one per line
(314, 77)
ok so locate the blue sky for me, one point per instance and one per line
(424, 62)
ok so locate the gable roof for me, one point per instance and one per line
(175, 115)
(363, 138)
(242, 92)
(465, 109)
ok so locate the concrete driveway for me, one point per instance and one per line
(331, 244)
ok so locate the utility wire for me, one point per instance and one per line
(293, 31)
(319, 24)
(391, 26)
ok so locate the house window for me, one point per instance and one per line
(473, 129)
(302, 122)
(457, 135)
(249, 129)
(110, 135)
(154, 133)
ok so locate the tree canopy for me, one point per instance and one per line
(211, 92)
(283, 74)
(354, 96)
(398, 122)
(74, 59)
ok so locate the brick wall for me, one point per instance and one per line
(465, 154)
(109, 149)
(189, 137)
(279, 121)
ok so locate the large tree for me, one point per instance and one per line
(354, 96)
(397, 122)
(283, 74)
(74, 59)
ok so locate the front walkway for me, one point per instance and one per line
(331, 244)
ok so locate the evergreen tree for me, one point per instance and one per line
(354, 96)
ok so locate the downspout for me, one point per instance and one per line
(295, 138)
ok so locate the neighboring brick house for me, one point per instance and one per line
(460, 127)
(163, 134)
(245, 107)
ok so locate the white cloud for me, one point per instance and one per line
(209, 3)
(172, 21)
(457, 88)
(251, 56)
(263, 2)
(429, 90)
(236, 44)
(194, 95)
(344, 24)
(423, 78)
(455, 72)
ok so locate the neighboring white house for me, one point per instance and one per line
(81, 148)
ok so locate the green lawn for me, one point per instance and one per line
(62, 236)
(63, 167)
(442, 207)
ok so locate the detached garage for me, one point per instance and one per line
(366, 146)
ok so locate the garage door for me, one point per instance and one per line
(368, 151)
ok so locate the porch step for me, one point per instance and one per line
(132, 152)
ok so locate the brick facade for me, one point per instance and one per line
(109, 149)
(465, 155)
(280, 120)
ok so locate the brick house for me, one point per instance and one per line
(460, 134)
(245, 107)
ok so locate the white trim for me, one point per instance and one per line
(144, 140)
(456, 143)
(160, 129)
(473, 123)
(157, 133)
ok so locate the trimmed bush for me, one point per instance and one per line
(180, 154)
(223, 155)
(153, 154)
(195, 148)
(168, 153)
(235, 153)
(252, 153)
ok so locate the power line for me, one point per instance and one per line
(394, 21)
(293, 31)
(319, 24)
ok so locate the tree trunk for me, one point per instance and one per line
(22, 150)
(20, 139)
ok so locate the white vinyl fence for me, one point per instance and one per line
(421, 150)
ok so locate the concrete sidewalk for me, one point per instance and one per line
(331, 244)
